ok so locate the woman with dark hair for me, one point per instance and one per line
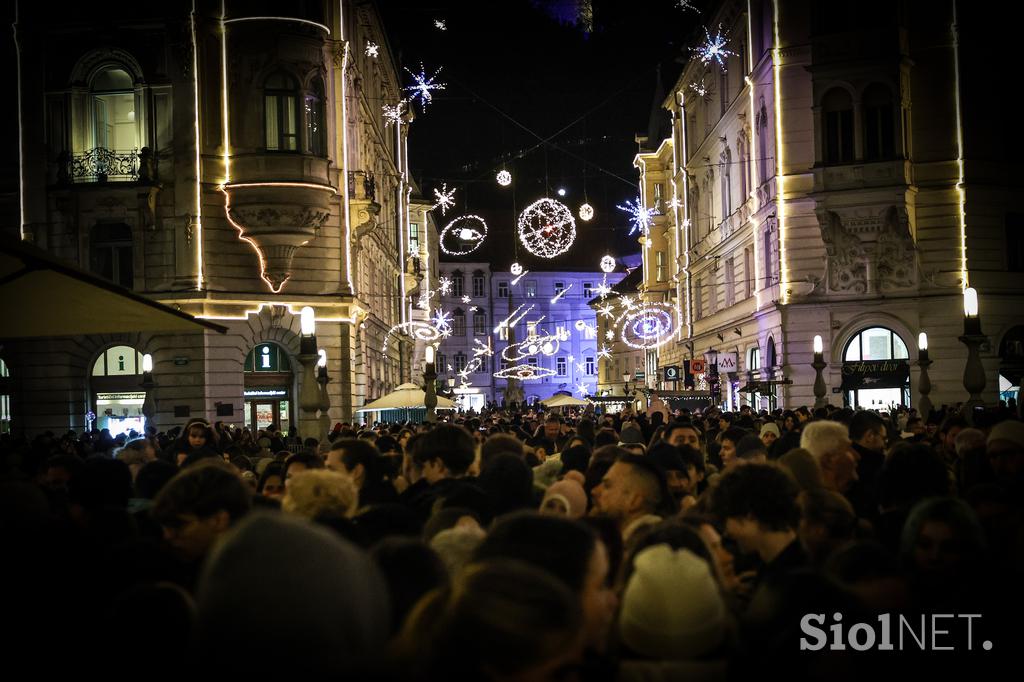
(272, 481)
(197, 441)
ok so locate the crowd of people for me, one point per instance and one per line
(522, 545)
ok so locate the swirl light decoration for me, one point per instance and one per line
(586, 212)
(648, 326)
(464, 235)
(420, 331)
(524, 373)
(547, 228)
(504, 178)
(547, 344)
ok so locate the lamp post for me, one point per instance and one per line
(429, 386)
(713, 382)
(974, 372)
(924, 384)
(148, 385)
(325, 399)
(309, 396)
(819, 380)
(628, 390)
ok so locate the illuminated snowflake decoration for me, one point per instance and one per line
(516, 269)
(424, 86)
(442, 321)
(609, 335)
(393, 114)
(606, 310)
(463, 235)
(444, 285)
(607, 263)
(674, 203)
(685, 4)
(547, 228)
(701, 89)
(504, 178)
(627, 302)
(639, 216)
(582, 389)
(481, 349)
(372, 49)
(605, 352)
(713, 48)
(445, 198)
(586, 212)
(473, 309)
(440, 24)
(603, 290)
(649, 326)
(524, 373)
(467, 299)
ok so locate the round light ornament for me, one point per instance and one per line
(607, 264)
(580, 325)
(516, 269)
(463, 235)
(504, 178)
(547, 228)
(586, 212)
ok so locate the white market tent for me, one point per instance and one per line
(406, 396)
(562, 400)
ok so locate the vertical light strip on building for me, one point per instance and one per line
(344, 149)
(199, 161)
(779, 178)
(643, 208)
(960, 190)
(401, 215)
(678, 227)
(681, 101)
(754, 228)
(21, 135)
(225, 119)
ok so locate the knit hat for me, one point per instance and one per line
(630, 435)
(771, 427)
(750, 446)
(672, 608)
(1012, 431)
(571, 494)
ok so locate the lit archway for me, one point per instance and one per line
(876, 369)
(116, 391)
(269, 385)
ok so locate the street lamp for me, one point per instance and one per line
(309, 396)
(713, 382)
(429, 387)
(325, 399)
(148, 385)
(924, 384)
(819, 380)
(974, 372)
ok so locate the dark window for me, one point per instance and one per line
(837, 117)
(879, 138)
(110, 253)
(316, 132)
(1015, 242)
(281, 113)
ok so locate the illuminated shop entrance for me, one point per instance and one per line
(116, 390)
(876, 370)
(268, 388)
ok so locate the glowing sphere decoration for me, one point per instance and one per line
(586, 212)
(504, 178)
(547, 228)
(463, 235)
(580, 325)
(607, 264)
(649, 326)
(516, 269)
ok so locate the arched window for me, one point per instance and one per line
(316, 132)
(110, 253)
(112, 92)
(773, 361)
(754, 359)
(876, 370)
(281, 113)
(726, 184)
(837, 119)
(744, 169)
(879, 125)
(876, 343)
(762, 145)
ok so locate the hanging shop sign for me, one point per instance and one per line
(875, 374)
(727, 362)
(672, 373)
(697, 366)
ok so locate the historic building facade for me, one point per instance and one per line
(817, 184)
(229, 159)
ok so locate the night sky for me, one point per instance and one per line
(519, 73)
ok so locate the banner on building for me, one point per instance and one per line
(875, 374)
(727, 362)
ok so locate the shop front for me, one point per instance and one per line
(876, 370)
(268, 388)
(116, 393)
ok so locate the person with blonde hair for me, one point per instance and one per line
(829, 443)
(314, 492)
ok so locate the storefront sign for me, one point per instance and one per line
(266, 393)
(875, 374)
(672, 373)
(697, 366)
(727, 362)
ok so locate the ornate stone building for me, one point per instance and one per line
(822, 186)
(229, 159)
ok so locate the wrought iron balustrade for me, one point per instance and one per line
(101, 165)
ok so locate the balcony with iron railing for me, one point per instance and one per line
(101, 165)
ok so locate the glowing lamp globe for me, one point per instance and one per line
(607, 264)
(504, 178)
(586, 212)
(307, 321)
(516, 269)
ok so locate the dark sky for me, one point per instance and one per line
(519, 72)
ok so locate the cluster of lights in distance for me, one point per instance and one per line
(685, 4)
(639, 217)
(445, 198)
(469, 230)
(372, 49)
(700, 88)
(504, 178)
(440, 24)
(393, 114)
(586, 212)
(547, 228)
(424, 86)
(713, 48)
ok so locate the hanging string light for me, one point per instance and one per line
(547, 228)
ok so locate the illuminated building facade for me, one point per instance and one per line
(230, 159)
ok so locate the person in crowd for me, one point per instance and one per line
(769, 434)
(868, 438)
(136, 453)
(317, 492)
(360, 459)
(444, 454)
(197, 442)
(827, 522)
(729, 439)
(829, 443)
(297, 462)
(633, 493)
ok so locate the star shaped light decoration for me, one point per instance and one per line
(445, 198)
(609, 335)
(640, 217)
(372, 49)
(467, 299)
(713, 48)
(444, 285)
(605, 352)
(424, 86)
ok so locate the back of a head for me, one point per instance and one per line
(576, 458)
(449, 443)
(823, 438)
(499, 620)
(558, 545)
(508, 482)
(314, 492)
(865, 422)
(101, 483)
(333, 619)
(830, 510)
(500, 443)
(803, 467)
(411, 569)
(152, 477)
(762, 491)
(910, 474)
(203, 490)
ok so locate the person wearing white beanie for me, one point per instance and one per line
(672, 608)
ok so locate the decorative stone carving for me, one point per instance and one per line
(895, 252)
(845, 256)
(265, 217)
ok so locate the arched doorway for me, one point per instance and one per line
(876, 370)
(268, 388)
(116, 394)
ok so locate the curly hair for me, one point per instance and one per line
(317, 491)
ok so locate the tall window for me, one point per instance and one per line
(459, 323)
(726, 184)
(281, 113)
(5, 399)
(502, 289)
(113, 110)
(588, 290)
(723, 88)
(713, 293)
(699, 298)
(458, 286)
(531, 288)
(879, 136)
(762, 145)
(588, 364)
(660, 269)
(730, 281)
(316, 132)
(659, 191)
(460, 361)
(748, 272)
(561, 367)
(837, 118)
(744, 156)
(414, 237)
(110, 253)
(559, 287)
(478, 284)
(479, 323)
(442, 361)
(754, 359)
(769, 275)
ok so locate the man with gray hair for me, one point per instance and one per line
(829, 443)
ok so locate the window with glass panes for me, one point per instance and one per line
(561, 366)
(479, 323)
(478, 285)
(281, 113)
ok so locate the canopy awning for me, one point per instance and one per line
(562, 400)
(41, 296)
(404, 397)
